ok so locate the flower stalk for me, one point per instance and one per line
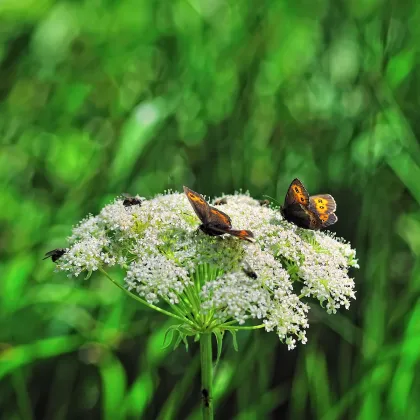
(210, 285)
(206, 376)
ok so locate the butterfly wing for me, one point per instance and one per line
(200, 206)
(221, 222)
(323, 203)
(219, 219)
(302, 216)
(311, 219)
(246, 235)
(296, 194)
(214, 221)
(328, 219)
(324, 206)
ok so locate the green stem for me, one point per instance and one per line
(206, 376)
(252, 327)
(139, 299)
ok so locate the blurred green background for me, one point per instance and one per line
(102, 97)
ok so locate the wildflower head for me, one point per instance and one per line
(216, 281)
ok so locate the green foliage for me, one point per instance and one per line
(99, 98)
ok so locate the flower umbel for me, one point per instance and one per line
(216, 283)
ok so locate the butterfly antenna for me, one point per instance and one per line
(272, 199)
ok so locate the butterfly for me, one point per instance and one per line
(213, 221)
(309, 212)
(55, 254)
(129, 200)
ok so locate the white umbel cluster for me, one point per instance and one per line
(161, 250)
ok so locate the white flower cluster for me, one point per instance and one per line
(166, 257)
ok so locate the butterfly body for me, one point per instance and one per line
(308, 212)
(300, 216)
(211, 229)
(213, 221)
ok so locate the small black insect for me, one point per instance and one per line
(55, 254)
(249, 271)
(220, 201)
(206, 397)
(129, 200)
(264, 203)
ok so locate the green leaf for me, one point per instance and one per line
(169, 330)
(234, 340)
(400, 67)
(219, 341)
(185, 340)
(114, 385)
(16, 357)
(138, 397)
(178, 341)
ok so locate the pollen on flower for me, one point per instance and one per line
(168, 260)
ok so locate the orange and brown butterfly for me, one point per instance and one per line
(309, 212)
(213, 221)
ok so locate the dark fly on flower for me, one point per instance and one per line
(264, 203)
(129, 200)
(220, 201)
(247, 269)
(55, 254)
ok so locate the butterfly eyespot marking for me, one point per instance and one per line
(297, 190)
